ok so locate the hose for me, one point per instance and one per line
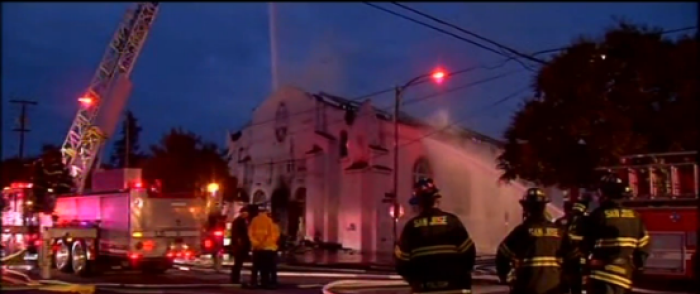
(12, 256)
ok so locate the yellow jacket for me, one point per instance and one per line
(263, 233)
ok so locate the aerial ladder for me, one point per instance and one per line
(107, 94)
(98, 113)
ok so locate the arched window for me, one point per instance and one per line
(343, 144)
(421, 169)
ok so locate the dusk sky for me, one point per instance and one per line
(206, 66)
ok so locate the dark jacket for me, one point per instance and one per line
(572, 224)
(240, 243)
(532, 256)
(435, 253)
(618, 244)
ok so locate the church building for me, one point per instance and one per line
(325, 165)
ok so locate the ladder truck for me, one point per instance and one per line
(83, 226)
(664, 191)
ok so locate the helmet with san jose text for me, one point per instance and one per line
(534, 195)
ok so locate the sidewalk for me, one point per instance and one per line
(342, 259)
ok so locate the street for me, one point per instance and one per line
(206, 281)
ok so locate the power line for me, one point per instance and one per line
(435, 28)
(469, 116)
(470, 33)
(410, 101)
(495, 65)
(431, 133)
(665, 32)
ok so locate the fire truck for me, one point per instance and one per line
(664, 190)
(118, 226)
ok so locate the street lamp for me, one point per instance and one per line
(213, 188)
(438, 76)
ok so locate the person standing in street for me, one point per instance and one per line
(434, 253)
(240, 243)
(272, 255)
(571, 223)
(264, 235)
(530, 258)
(616, 240)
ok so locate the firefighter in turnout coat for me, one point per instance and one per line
(532, 257)
(571, 223)
(616, 240)
(434, 253)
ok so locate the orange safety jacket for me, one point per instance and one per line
(263, 233)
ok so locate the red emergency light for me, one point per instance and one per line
(208, 244)
(218, 233)
(20, 185)
(137, 185)
(148, 245)
(86, 101)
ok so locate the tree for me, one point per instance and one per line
(633, 91)
(126, 152)
(15, 170)
(184, 163)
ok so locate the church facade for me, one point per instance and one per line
(324, 164)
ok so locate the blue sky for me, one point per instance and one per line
(206, 66)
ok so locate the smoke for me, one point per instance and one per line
(439, 119)
(322, 69)
(310, 58)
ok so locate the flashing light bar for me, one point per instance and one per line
(20, 185)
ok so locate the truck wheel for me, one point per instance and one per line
(62, 257)
(79, 260)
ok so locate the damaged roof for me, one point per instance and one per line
(347, 104)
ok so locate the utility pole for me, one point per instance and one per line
(126, 141)
(397, 103)
(22, 128)
(437, 76)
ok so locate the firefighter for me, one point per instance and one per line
(616, 240)
(434, 253)
(571, 224)
(531, 257)
(240, 243)
(264, 235)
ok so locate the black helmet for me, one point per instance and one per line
(612, 186)
(582, 202)
(534, 196)
(425, 187)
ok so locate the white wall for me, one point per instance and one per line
(346, 206)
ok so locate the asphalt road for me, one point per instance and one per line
(207, 281)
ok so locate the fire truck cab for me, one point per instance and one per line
(664, 190)
(17, 218)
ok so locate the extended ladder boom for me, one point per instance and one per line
(85, 138)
